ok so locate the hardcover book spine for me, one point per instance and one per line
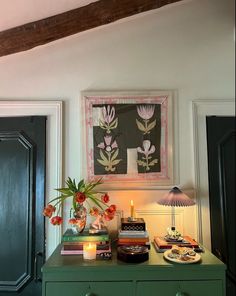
(85, 238)
(136, 244)
(133, 240)
(80, 252)
(80, 247)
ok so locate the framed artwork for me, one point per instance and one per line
(129, 138)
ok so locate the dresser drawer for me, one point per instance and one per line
(89, 288)
(179, 288)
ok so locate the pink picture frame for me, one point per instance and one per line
(129, 138)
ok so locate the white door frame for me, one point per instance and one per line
(201, 109)
(53, 111)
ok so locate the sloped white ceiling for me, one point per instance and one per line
(18, 12)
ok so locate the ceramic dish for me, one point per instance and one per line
(186, 259)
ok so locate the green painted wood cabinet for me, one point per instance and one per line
(72, 276)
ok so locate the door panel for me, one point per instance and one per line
(22, 171)
(221, 166)
(16, 209)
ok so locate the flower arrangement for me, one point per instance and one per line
(83, 192)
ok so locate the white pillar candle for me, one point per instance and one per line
(89, 251)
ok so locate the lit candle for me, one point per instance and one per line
(132, 209)
(89, 251)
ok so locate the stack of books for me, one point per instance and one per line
(133, 233)
(161, 244)
(72, 244)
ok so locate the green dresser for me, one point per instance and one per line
(72, 276)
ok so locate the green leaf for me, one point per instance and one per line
(114, 124)
(95, 201)
(103, 156)
(60, 197)
(115, 162)
(71, 184)
(103, 162)
(142, 163)
(64, 190)
(102, 124)
(153, 162)
(80, 184)
(91, 185)
(141, 127)
(74, 203)
(115, 154)
(151, 125)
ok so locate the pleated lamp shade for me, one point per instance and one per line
(176, 198)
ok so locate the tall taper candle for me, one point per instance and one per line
(132, 209)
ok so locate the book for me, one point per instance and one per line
(84, 236)
(158, 249)
(80, 247)
(133, 240)
(132, 233)
(186, 242)
(82, 243)
(148, 245)
(80, 252)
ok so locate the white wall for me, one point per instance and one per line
(188, 47)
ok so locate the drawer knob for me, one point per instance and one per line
(180, 294)
(89, 294)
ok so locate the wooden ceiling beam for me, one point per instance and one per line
(96, 14)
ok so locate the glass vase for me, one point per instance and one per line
(80, 214)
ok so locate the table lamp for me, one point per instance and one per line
(175, 198)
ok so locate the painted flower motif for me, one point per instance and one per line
(109, 156)
(108, 114)
(147, 148)
(108, 145)
(146, 111)
(108, 120)
(147, 160)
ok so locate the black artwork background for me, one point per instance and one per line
(127, 135)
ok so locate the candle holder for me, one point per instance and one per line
(89, 251)
(133, 225)
(132, 219)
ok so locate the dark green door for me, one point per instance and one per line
(221, 166)
(22, 190)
